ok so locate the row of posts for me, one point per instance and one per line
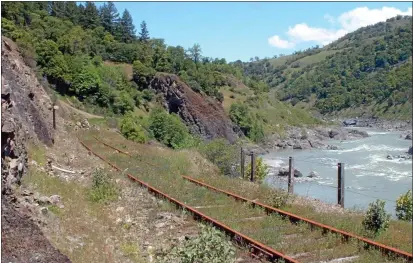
(340, 175)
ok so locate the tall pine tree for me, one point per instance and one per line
(72, 12)
(58, 9)
(109, 17)
(91, 17)
(144, 34)
(127, 28)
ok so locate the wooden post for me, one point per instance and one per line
(252, 166)
(242, 163)
(340, 186)
(291, 175)
(54, 116)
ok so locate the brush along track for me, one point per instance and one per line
(296, 218)
(257, 249)
(268, 229)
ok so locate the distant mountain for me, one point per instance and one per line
(367, 72)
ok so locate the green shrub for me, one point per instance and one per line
(102, 189)
(142, 74)
(210, 246)
(169, 129)
(148, 94)
(224, 155)
(261, 169)
(404, 206)
(376, 219)
(123, 102)
(131, 128)
(278, 199)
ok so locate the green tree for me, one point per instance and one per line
(58, 9)
(72, 12)
(91, 17)
(127, 28)
(109, 17)
(144, 33)
(87, 82)
(195, 53)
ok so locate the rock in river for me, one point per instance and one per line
(284, 172)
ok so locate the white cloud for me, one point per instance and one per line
(304, 33)
(363, 16)
(276, 41)
(348, 22)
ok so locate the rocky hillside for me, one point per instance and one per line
(26, 116)
(367, 72)
(204, 116)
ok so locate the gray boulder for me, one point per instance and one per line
(410, 151)
(332, 147)
(313, 174)
(350, 122)
(362, 134)
(389, 157)
(285, 170)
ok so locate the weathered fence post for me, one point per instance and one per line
(291, 175)
(242, 162)
(252, 166)
(54, 116)
(340, 186)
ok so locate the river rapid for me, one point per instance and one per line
(368, 173)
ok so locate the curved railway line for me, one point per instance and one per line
(249, 223)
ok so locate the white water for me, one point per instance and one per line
(368, 173)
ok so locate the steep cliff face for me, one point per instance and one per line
(203, 115)
(26, 115)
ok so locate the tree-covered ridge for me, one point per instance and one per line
(59, 35)
(81, 50)
(369, 66)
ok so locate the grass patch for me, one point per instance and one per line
(36, 152)
(80, 219)
(102, 190)
(55, 210)
(131, 251)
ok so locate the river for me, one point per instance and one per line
(368, 173)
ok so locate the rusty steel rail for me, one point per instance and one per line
(110, 146)
(381, 247)
(257, 247)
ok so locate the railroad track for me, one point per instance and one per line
(252, 224)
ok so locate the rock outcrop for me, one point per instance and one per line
(301, 138)
(203, 115)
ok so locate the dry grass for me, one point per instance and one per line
(165, 174)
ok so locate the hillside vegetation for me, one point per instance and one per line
(367, 71)
(94, 57)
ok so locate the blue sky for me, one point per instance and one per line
(241, 30)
